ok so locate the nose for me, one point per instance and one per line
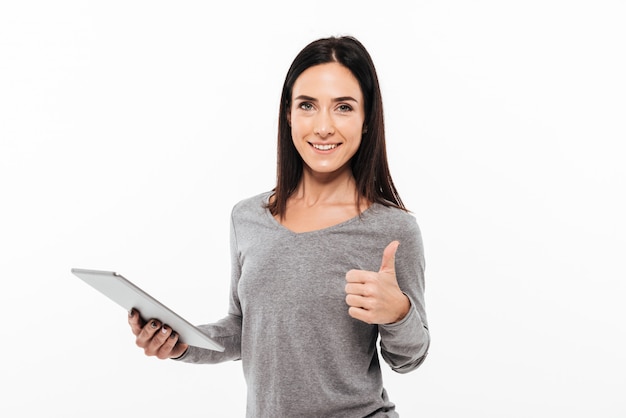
(324, 125)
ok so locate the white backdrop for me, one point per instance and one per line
(128, 129)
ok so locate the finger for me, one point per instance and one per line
(135, 321)
(356, 301)
(179, 348)
(360, 289)
(360, 276)
(354, 276)
(172, 347)
(147, 332)
(389, 257)
(360, 314)
(161, 344)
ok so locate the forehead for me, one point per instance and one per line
(327, 79)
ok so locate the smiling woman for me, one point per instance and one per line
(327, 122)
(325, 264)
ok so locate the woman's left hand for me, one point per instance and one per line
(375, 297)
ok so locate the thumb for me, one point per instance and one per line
(389, 258)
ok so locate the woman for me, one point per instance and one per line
(323, 264)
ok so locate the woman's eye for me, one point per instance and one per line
(306, 106)
(345, 108)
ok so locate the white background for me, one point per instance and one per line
(128, 129)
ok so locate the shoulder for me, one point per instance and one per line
(252, 204)
(392, 218)
(394, 224)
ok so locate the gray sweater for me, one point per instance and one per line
(288, 322)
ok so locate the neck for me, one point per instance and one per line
(332, 188)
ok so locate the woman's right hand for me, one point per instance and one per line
(156, 339)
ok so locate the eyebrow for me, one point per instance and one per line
(337, 99)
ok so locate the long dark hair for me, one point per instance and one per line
(369, 164)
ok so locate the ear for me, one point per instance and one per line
(364, 129)
(289, 117)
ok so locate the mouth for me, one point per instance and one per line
(324, 147)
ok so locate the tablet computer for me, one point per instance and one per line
(129, 296)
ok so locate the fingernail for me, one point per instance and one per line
(153, 324)
(173, 335)
(163, 330)
(131, 312)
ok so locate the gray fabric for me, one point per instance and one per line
(302, 354)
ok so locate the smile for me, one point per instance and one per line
(325, 147)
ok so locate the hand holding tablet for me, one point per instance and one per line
(130, 296)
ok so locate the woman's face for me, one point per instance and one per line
(326, 117)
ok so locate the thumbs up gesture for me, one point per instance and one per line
(375, 297)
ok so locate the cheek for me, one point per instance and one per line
(355, 147)
(299, 128)
(351, 130)
(295, 133)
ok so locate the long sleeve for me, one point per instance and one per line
(404, 344)
(226, 331)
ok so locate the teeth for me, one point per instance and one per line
(324, 147)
